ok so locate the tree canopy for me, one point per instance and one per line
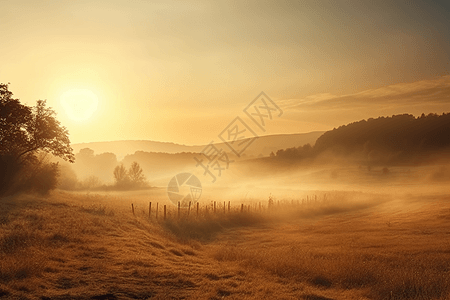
(26, 130)
(24, 133)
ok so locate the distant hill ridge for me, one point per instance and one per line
(263, 145)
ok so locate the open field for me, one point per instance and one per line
(349, 245)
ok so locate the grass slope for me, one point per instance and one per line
(351, 246)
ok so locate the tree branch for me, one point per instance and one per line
(28, 150)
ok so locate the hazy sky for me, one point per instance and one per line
(181, 71)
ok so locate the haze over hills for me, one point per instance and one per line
(385, 141)
(263, 145)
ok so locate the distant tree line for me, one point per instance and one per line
(101, 172)
(397, 139)
(91, 165)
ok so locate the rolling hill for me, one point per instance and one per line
(263, 145)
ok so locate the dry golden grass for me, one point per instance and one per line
(351, 246)
(386, 252)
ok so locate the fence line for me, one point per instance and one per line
(214, 207)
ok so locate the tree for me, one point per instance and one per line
(133, 178)
(14, 120)
(26, 130)
(121, 176)
(136, 174)
(24, 133)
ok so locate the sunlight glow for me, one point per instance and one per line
(79, 104)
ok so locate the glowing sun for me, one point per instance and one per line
(79, 104)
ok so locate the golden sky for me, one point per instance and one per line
(181, 71)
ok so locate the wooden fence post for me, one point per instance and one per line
(189, 209)
(214, 207)
(179, 209)
(229, 206)
(197, 208)
(224, 207)
(132, 208)
(242, 207)
(164, 212)
(150, 210)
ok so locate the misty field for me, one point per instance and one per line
(334, 245)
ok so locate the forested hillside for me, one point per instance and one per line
(397, 139)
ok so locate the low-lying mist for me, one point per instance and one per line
(280, 178)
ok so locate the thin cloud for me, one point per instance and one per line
(425, 92)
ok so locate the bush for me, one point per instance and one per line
(37, 176)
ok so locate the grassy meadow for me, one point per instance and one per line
(334, 245)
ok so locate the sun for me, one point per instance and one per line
(79, 104)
